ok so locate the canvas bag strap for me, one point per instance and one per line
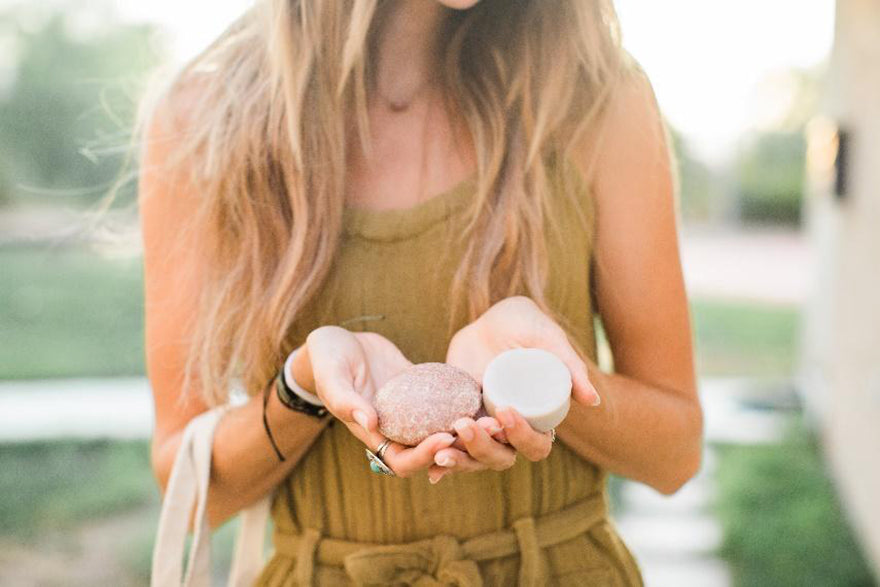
(248, 558)
(187, 486)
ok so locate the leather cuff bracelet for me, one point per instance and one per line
(296, 398)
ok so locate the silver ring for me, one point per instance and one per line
(383, 446)
(377, 465)
(553, 435)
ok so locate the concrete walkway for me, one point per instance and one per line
(675, 538)
(767, 265)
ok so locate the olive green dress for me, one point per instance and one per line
(536, 523)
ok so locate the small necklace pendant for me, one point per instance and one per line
(395, 106)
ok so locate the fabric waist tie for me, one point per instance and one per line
(443, 559)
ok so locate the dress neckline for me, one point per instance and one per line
(401, 223)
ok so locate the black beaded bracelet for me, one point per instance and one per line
(266, 420)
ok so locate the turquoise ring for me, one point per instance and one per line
(377, 465)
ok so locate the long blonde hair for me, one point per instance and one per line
(266, 148)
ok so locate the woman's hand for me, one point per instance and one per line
(518, 322)
(348, 368)
(511, 323)
(480, 445)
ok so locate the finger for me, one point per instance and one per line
(454, 461)
(405, 461)
(482, 447)
(436, 472)
(371, 440)
(341, 399)
(582, 388)
(532, 444)
(493, 428)
(501, 437)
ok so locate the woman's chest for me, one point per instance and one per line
(399, 289)
(396, 278)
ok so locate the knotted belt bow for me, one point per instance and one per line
(443, 559)
(438, 561)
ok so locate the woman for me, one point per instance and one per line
(357, 185)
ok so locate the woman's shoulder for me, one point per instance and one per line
(169, 120)
(167, 197)
(174, 106)
(629, 131)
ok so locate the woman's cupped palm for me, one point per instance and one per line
(349, 367)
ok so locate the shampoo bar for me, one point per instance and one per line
(424, 399)
(533, 381)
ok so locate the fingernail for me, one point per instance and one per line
(447, 441)
(444, 461)
(506, 417)
(433, 480)
(592, 388)
(495, 429)
(361, 419)
(464, 430)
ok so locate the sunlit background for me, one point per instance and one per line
(745, 87)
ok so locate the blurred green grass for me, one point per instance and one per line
(53, 489)
(49, 486)
(745, 339)
(70, 312)
(783, 524)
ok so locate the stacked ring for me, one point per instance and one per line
(377, 465)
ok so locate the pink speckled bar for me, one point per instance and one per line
(425, 399)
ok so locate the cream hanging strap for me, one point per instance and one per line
(188, 489)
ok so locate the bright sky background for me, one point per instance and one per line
(706, 58)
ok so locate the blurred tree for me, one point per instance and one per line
(771, 177)
(66, 110)
(770, 165)
(700, 188)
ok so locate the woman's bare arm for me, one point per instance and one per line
(343, 368)
(649, 425)
(244, 466)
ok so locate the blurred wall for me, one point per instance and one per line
(841, 360)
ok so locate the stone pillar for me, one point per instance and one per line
(841, 344)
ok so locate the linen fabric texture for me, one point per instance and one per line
(536, 523)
